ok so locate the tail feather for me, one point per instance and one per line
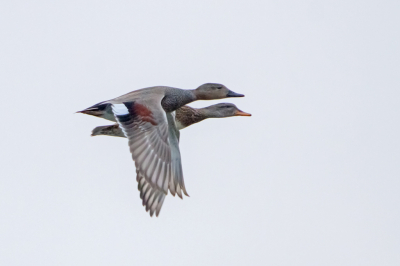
(102, 110)
(112, 130)
(95, 110)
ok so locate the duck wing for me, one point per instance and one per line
(152, 197)
(176, 183)
(145, 124)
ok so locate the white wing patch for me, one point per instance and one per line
(120, 109)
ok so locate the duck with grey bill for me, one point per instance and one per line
(146, 118)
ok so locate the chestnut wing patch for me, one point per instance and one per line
(141, 112)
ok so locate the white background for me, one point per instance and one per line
(312, 178)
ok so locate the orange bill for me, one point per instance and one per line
(241, 113)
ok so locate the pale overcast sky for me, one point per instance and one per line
(312, 178)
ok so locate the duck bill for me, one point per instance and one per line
(234, 94)
(241, 113)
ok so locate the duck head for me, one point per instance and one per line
(213, 91)
(224, 110)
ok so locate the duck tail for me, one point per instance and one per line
(112, 130)
(96, 110)
(101, 130)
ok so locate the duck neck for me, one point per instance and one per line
(186, 116)
(176, 98)
(200, 114)
(189, 96)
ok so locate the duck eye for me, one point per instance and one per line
(219, 88)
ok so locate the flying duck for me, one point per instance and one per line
(147, 119)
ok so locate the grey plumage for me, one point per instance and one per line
(146, 118)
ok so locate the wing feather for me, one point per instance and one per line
(154, 145)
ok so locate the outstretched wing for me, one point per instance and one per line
(145, 124)
(176, 183)
(154, 145)
(152, 197)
